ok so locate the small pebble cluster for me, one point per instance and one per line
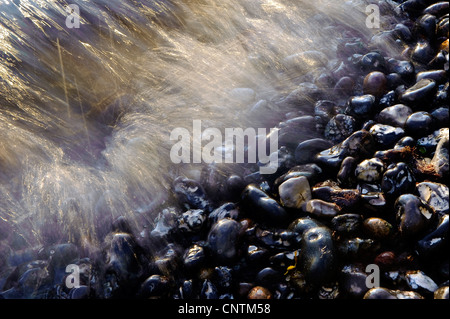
(372, 190)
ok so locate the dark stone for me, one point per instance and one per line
(413, 215)
(339, 128)
(263, 208)
(419, 123)
(223, 239)
(398, 179)
(306, 151)
(375, 83)
(359, 145)
(419, 92)
(395, 115)
(361, 107)
(385, 135)
(347, 224)
(317, 255)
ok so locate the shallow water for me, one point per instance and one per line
(86, 113)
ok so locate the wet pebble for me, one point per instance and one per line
(259, 292)
(419, 123)
(375, 83)
(384, 293)
(442, 292)
(418, 281)
(435, 241)
(373, 61)
(223, 239)
(419, 93)
(192, 220)
(346, 174)
(317, 255)
(377, 228)
(440, 159)
(398, 179)
(370, 170)
(190, 193)
(305, 151)
(361, 107)
(359, 144)
(262, 207)
(347, 224)
(339, 128)
(404, 68)
(395, 115)
(352, 281)
(294, 192)
(321, 209)
(436, 195)
(154, 287)
(385, 135)
(412, 214)
(194, 257)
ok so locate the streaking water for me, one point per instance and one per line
(85, 114)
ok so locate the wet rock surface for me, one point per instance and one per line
(371, 190)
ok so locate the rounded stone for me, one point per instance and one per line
(294, 192)
(412, 214)
(419, 123)
(317, 255)
(377, 228)
(375, 84)
(395, 115)
(370, 170)
(223, 239)
(420, 92)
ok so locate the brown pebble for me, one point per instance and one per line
(375, 83)
(259, 292)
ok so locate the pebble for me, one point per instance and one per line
(398, 179)
(154, 287)
(440, 160)
(377, 228)
(259, 292)
(442, 292)
(294, 192)
(370, 170)
(359, 144)
(413, 215)
(339, 127)
(436, 195)
(418, 281)
(223, 239)
(419, 123)
(404, 68)
(352, 281)
(321, 209)
(306, 150)
(262, 207)
(386, 135)
(395, 115)
(384, 293)
(373, 61)
(375, 84)
(190, 193)
(435, 241)
(419, 93)
(317, 255)
(347, 224)
(361, 107)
